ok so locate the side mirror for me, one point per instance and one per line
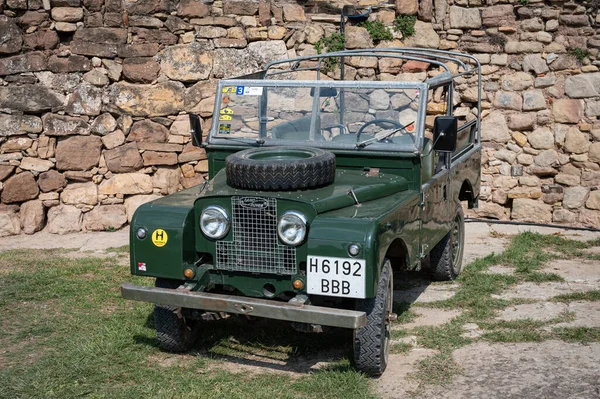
(444, 133)
(196, 130)
(324, 92)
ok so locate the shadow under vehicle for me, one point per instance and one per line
(319, 191)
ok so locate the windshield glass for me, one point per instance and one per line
(381, 118)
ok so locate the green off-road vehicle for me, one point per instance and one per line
(319, 191)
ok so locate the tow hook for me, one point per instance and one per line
(392, 317)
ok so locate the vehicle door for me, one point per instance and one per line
(435, 177)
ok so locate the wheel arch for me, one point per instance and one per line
(397, 253)
(466, 193)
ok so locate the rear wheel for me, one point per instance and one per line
(372, 342)
(446, 256)
(174, 332)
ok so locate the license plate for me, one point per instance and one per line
(330, 276)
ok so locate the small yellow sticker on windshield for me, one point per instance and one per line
(224, 118)
(226, 111)
(160, 238)
(228, 89)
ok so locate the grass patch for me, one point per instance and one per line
(119, 250)
(577, 334)
(593, 295)
(505, 336)
(397, 334)
(438, 369)
(527, 253)
(404, 313)
(538, 277)
(67, 333)
(401, 347)
(445, 337)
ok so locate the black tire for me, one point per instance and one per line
(446, 256)
(372, 342)
(280, 168)
(174, 332)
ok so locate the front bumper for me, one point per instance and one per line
(243, 305)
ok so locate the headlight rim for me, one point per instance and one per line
(302, 218)
(224, 213)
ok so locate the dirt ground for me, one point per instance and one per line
(547, 369)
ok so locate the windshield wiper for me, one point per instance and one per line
(380, 136)
(244, 140)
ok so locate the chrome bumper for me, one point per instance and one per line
(249, 306)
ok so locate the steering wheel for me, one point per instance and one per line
(376, 122)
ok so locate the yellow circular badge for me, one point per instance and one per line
(160, 237)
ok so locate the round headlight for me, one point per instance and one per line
(214, 222)
(292, 228)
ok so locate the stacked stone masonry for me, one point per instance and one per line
(94, 97)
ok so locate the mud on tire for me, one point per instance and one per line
(174, 333)
(280, 168)
(372, 342)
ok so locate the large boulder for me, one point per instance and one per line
(29, 62)
(19, 188)
(80, 194)
(266, 51)
(51, 181)
(425, 36)
(576, 142)
(12, 125)
(567, 111)
(78, 153)
(105, 217)
(494, 128)
(148, 131)
(11, 39)
(148, 100)
(465, 18)
(30, 98)
(126, 183)
(32, 216)
(10, 224)
(64, 219)
(530, 210)
(61, 125)
(541, 138)
(85, 100)
(125, 158)
(187, 62)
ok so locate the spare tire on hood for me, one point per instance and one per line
(280, 168)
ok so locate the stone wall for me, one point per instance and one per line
(94, 96)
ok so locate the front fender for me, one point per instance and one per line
(171, 220)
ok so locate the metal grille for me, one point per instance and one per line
(255, 247)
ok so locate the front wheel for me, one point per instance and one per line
(446, 256)
(174, 332)
(372, 342)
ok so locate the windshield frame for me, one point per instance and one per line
(416, 147)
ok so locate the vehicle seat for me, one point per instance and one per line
(298, 129)
(427, 161)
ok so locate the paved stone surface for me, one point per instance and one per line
(552, 369)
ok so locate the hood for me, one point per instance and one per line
(366, 187)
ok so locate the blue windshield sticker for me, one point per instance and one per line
(248, 91)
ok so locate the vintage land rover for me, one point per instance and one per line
(319, 191)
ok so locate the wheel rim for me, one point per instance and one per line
(457, 244)
(387, 321)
